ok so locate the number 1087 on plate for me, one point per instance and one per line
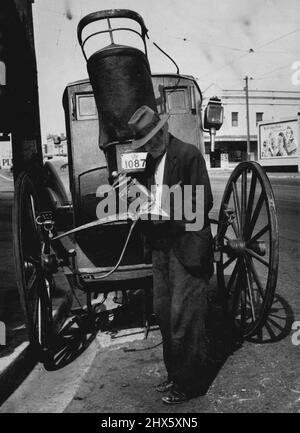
(133, 161)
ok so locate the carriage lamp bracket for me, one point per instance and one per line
(48, 260)
(46, 221)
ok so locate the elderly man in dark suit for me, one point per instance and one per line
(182, 260)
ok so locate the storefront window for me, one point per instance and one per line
(234, 118)
(235, 155)
(259, 117)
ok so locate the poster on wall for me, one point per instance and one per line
(279, 139)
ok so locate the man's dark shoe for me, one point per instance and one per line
(165, 386)
(175, 397)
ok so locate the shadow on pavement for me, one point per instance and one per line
(278, 323)
(76, 338)
(82, 329)
(224, 342)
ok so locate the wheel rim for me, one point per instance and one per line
(32, 283)
(247, 270)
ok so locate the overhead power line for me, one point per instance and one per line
(211, 44)
(271, 72)
(226, 64)
(255, 51)
(278, 38)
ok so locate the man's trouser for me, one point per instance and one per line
(181, 305)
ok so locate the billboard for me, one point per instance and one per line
(279, 140)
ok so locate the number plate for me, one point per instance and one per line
(133, 161)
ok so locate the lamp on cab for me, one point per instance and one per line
(213, 118)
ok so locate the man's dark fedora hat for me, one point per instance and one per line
(145, 123)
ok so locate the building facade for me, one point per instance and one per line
(264, 105)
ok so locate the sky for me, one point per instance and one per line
(219, 42)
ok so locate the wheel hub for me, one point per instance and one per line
(258, 247)
(236, 247)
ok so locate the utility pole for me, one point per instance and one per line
(247, 116)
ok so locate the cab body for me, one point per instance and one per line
(176, 95)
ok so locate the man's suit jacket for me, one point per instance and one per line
(184, 163)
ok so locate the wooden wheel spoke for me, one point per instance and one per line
(251, 267)
(250, 291)
(250, 228)
(250, 200)
(259, 234)
(243, 199)
(275, 324)
(232, 277)
(242, 288)
(35, 297)
(277, 317)
(260, 334)
(235, 228)
(257, 257)
(228, 262)
(34, 261)
(36, 311)
(237, 206)
(34, 304)
(32, 280)
(31, 208)
(270, 330)
(29, 211)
